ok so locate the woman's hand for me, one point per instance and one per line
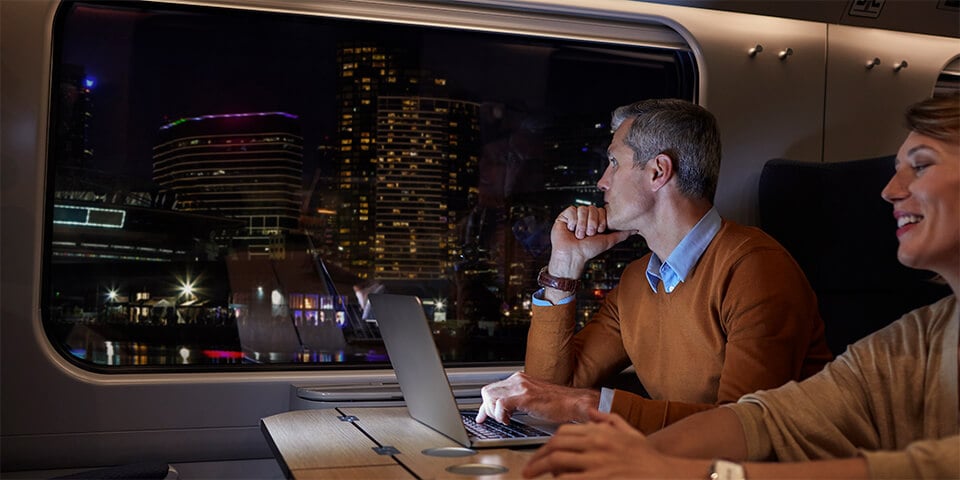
(607, 447)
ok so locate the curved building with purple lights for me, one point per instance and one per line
(246, 166)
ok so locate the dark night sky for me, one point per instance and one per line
(154, 68)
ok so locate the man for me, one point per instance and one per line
(715, 311)
(886, 408)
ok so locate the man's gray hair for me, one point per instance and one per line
(684, 131)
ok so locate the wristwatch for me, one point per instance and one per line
(544, 279)
(726, 470)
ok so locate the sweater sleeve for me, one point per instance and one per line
(921, 459)
(794, 433)
(550, 335)
(934, 459)
(773, 335)
(647, 415)
(773, 329)
(826, 416)
(885, 399)
(555, 353)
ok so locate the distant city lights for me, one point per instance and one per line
(226, 115)
(188, 287)
(223, 354)
(88, 216)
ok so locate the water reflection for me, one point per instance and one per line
(324, 343)
(120, 353)
(128, 353)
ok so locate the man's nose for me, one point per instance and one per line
(603, 184)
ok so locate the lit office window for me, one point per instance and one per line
(209, 211)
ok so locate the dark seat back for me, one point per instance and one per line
(831, 218)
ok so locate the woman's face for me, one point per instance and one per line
(925, 193)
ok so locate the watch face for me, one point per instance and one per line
(726, 470)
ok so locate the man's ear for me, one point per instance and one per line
(662, 168)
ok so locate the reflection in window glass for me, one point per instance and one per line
(227, 188)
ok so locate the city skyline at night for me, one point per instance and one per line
(345, 160)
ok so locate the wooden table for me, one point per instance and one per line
(383, 442)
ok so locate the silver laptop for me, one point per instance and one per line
(424, 383)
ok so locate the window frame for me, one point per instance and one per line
(548, 22)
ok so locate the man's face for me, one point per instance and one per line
(624, 195)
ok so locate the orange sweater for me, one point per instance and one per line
(745, 319)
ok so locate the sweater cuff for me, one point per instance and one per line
(931, 458)
(648, 416)
(750, 414)
(886, 464)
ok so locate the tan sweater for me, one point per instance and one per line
(892, 398)
(744, 319)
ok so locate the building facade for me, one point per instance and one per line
(427, 154)
(246, 166)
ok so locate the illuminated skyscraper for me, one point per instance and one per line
(246, 166)
(368, 70)
(427, 154)
(365, 71)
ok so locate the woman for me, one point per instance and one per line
(887, 408)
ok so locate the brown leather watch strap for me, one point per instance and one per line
(544, 279)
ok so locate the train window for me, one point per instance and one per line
(226, 187)
(949, 79)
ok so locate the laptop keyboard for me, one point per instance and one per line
(492, 429)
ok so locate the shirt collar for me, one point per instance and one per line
(685, 256)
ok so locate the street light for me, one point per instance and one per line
(186, 289)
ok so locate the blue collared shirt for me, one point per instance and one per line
(679, 263)
(685, 256)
